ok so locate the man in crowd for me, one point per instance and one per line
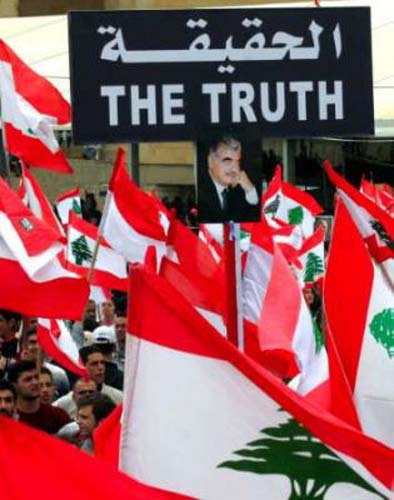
(104, 338)
(9, 326)
(7, 399)
(91, 411)
(120, 331)
(94, 362)
(81, 389)
(47, 386)
(30, 350)
(24, 376)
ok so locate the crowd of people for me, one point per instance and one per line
(38, 392)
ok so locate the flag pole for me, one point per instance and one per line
(232, 264)
(4, 156)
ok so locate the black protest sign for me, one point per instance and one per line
(168, 75)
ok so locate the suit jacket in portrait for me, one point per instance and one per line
(236, 209)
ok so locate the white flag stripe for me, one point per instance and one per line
(374, 389)
(123, 238)
(23, 116)
(30, 264)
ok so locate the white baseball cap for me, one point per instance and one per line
(104, 335)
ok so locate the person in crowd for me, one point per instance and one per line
(225, 190)
(68, 403)
(47, 386)
(30, 350)
(24, 376)
(120, 331)
(108, 313)
(94, 362)
(91, 411)
(105, 339)
(89, 323)
(7, 399)
(9, 326)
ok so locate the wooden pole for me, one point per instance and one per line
(232, 263)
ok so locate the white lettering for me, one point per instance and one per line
(214, 90)
(170, 103)
(301, 88)
(242, 96)
(335, 99)
(277, 114)
(139, 104)
(113, 92)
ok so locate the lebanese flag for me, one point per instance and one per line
(213, 245)
(199, 291)
(187, 248)
(31, 241)
(38, 202)
(51, 292)
(69, 472)
(310, 262)
(99, 294)
(382, 197)
(55, 339)
(109, 270)
(66, 202)
(203, 420)
(290, 345)
(374, 224)
(359, 305)
(30, 107)
(131, 219)
(287, 203)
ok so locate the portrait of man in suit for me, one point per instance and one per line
(226, 191)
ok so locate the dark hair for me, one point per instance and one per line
(5, 385)
(102, 405)
(46, 371)
(87, 350)
(16, 370)
(7, 315)
(228, 140)
(89, 324)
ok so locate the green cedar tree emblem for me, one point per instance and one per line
(314, 267)
(295, 215)
(81, 250)
(382, 329)
(319, 337)
(76, 207)
(272, 207)
(382, 233)
(290, 450)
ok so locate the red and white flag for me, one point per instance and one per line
(131, 219)
(30, 107)
(109, 270)
(290, 345)
(66, 202)
(69, 473)
(38, 202)
(309, 265)
(359, 304)
(202, 419)
(383, 197)
(31, 241)
(55, 339)
(287, 203)
(51, 292)
(208, 300)
(374, 224)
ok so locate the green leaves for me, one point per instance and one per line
(382, 329)
(295, 215)
(314, 267)
(290, 450)
(81, 250)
